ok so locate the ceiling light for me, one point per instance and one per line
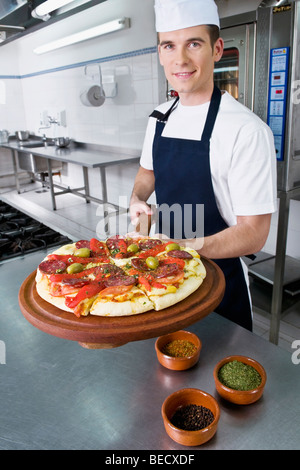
(111, 26)
(42, 11)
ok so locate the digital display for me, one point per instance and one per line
(279, 64)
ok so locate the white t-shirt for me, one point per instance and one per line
(242, 155)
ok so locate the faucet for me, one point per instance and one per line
(53, 121)
(43, 127)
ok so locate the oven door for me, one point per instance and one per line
(235, 71)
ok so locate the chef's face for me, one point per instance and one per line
(188, 58)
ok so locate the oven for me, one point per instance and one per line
(260, 69)
(235, 71)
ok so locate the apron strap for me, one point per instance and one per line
(212, 113)
(164, 117)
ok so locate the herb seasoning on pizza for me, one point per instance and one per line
(119, 276)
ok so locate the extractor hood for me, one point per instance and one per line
(16, 17)
(17, 14)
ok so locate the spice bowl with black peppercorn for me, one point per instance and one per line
(240, 379)
(190, 416)
(179, 350)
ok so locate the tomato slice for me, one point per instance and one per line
(172, 279)
(99, 247)
(145, 283)
(58, 290)
(84, 293)
(153, 251)
(115, 290)
(180, 262)
(121, 250)
(157, 285)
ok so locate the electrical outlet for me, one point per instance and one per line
(62, 118)
(44, 119)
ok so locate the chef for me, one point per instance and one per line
(206, 150)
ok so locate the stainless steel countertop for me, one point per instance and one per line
(88, 155)
(54, 394)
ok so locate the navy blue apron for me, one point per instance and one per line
(183, 177)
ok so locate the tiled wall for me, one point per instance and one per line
(31, 84)
(129, 81)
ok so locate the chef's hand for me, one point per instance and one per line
(137, 210)
(141, 218)
(194, 243)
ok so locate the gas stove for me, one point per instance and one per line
(21, 234)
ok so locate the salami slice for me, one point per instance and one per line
(166, 270)
(140, 264)
(121, 280)
(181, 254)
(82, 244)
(147, 244)
(52, 266)
(108, 268)
(113, 242)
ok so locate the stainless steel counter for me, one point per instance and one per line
(84, 155)
(54, 394)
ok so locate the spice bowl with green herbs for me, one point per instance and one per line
(179, 350)
(190, 416)
(240, 379)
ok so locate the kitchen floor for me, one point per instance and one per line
(78, 220)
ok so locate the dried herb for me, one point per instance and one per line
(179, 348)
(239, 376)
(192, 417)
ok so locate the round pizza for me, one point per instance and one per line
(119, 276)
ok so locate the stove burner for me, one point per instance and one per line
(21, 234)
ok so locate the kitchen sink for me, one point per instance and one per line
(34, 163)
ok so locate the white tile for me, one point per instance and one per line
(142, 67)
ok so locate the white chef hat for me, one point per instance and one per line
(179, 14)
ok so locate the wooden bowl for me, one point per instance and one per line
(240, 397)
(186, 397)
(178, 363)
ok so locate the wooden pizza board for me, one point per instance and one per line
(96, 332)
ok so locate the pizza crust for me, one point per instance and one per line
(185, 289)
(42, 287)
(139, 303)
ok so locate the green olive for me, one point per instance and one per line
(133, 248)
(172, 246)
(152, 262)
(74, 268)
(83, 252)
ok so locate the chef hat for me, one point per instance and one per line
(179, 14)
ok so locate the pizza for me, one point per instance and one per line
(119, 276)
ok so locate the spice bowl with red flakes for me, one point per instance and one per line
(179, 350)
(190, 416)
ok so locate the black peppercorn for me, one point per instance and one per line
(192, 417)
